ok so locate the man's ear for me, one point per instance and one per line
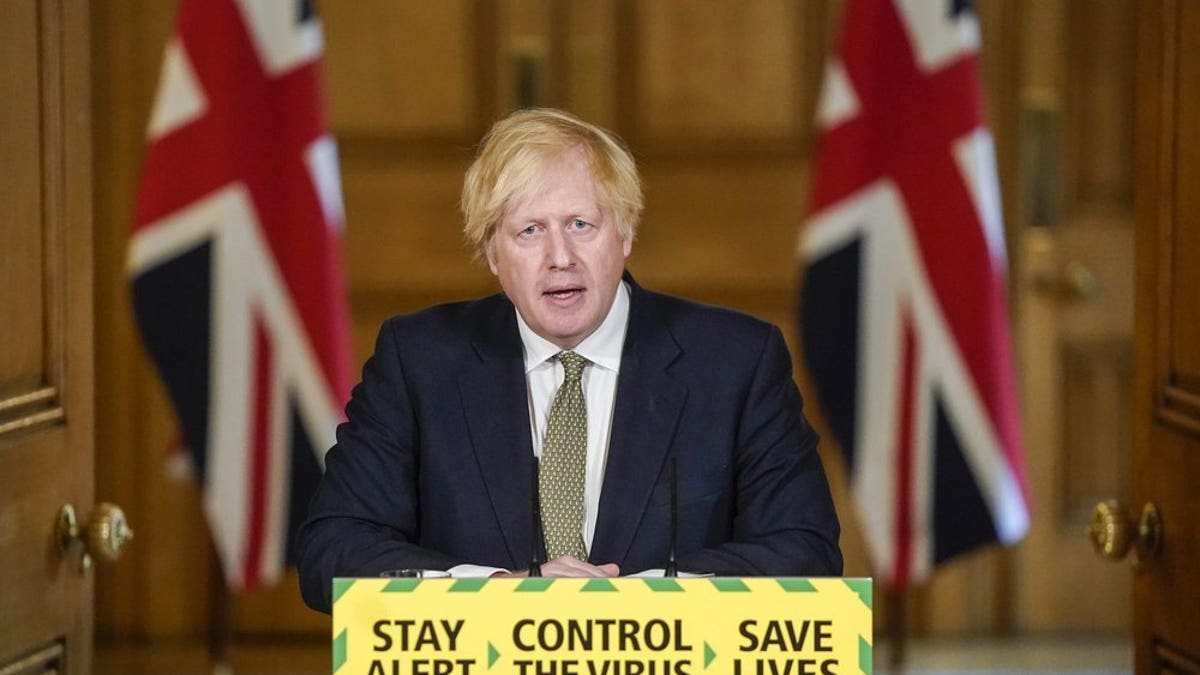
(490, 254)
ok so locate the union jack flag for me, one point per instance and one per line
(903, 311)
(235, 268)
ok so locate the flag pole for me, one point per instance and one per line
(898, 628)
(220, 623)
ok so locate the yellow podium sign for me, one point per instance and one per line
(726, 626)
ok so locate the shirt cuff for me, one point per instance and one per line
(474, 571)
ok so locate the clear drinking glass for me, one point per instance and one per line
(412, 573)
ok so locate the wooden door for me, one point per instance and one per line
(1074, 293)
(1166, 463)
(45, 334)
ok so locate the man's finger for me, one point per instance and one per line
(567, 566)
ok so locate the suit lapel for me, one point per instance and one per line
(648, 404)
(495, 402)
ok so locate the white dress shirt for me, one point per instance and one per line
(544, 375)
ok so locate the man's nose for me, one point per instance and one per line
(560, 251)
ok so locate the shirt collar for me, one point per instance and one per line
(603, 347)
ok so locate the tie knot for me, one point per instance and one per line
(572, 365)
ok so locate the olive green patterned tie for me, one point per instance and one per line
(564, 454)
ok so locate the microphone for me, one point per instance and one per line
(535, 503)
(671, 570)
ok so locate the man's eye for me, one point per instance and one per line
(578, 224)
(529, 231)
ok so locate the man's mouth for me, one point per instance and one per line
(563, 293)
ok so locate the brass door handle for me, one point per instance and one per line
(1072, 282)
(107, 533)
(1114, 534)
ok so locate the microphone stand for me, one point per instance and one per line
(535, 567)
(671, 569)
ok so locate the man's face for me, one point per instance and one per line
(558, 258)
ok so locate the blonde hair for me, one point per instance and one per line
(513, 154)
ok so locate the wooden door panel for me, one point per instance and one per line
(21, 361)
(754, 48)
(1184, 305)
(1167, 383)
(421, 84)
(45, 334)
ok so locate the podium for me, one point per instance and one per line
(626, 626)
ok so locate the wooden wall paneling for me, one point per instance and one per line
(526, 71)
(123, 81)
(176, 574)
(1036, 258)
(1041, 52)
(404, 231)
(1097, 379)
(116, 449)
(1001, 58)
(712, 226)
(625, 39)
(1036, 327)
(1095, 239)
(1096, 245)
(714, 75)
(824, 24)
(465, 68)
(560, 39)
(161, 589)
(400, 69)
(1075, 353)
(1075, 357)
(961, 598)
(1076, 303)
(1098, 105)
(276, 613)
(589, 87)
(403, 247)
(1035, 335)
(1096, 439)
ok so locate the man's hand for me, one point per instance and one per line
(566, 566)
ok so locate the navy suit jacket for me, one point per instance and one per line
(433, 467)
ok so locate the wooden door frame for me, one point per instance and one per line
(1167, 408)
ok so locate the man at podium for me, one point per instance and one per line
(575, 424)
